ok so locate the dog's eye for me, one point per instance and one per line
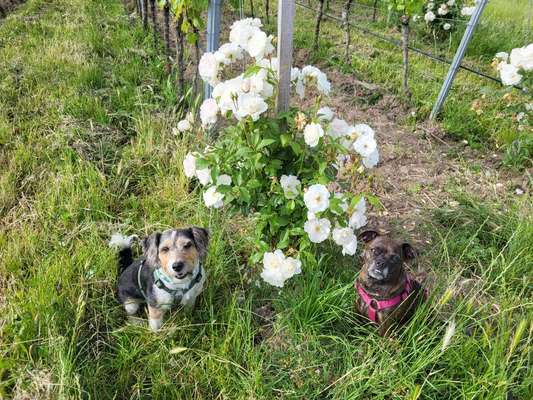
(376, 250)
(187, 245)
(164, 249)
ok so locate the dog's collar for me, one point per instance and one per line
(375, 306)
(164, 282)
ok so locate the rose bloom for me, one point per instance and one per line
(358, 217)
(372, 160)
(522, 57)
(290, 185)
(184, 125)
(208, 68)
(208, 112)
(317, 229)
(212, 198)
(509, 74)
(249, 104)
(312, 134)
(338, 128)
(429, 17)
(204, 176)
(325, 114)
(365, 145)
(316, 198)
(189, 165)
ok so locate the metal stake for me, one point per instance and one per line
(213, 34)
(456, 63)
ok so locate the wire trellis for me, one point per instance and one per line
(397, 42)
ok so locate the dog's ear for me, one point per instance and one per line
(150, 246)
(408, 252)
(368, 236)
(201, 238)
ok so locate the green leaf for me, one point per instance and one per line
(285, 139)
(250, 71)
(201, 163)
(265, 142)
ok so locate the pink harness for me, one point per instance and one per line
(378, 305)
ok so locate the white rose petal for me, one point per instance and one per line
(358, 217)
(208, 112)
(204, 176)
(212, 198)
(224, 180)
(372, 160)
(249, 104)
(522, 57)
(446, 26)
(312, 134)
(317, 229)
(325, 114)
(184, 125)
(338, 128)
(467, 11)
(317, 198)
(189, 165)
(365, 145)
(208, 68)
(429, 16)
(509, 74)
(290, 185)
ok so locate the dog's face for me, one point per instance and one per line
(177, 251)
(384, 257)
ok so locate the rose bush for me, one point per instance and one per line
(441, 16)
(283, 170)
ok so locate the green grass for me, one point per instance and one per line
(86, 112)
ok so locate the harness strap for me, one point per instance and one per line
(375, 306)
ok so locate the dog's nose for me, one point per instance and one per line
(178, 266)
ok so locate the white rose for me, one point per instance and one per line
(257, 43)
(258, 84)
(312, 134)
(509, 74)
(372, 160)
(290, 185)
(204, 176)
(346, 238)
(212, 198)
(443, 9)
(365, 145)
(450, 2)
(363, 130)
(429, 16)
(224, 180)
(249, 104)
(189, 165)
(358, 217)
(522, 57)
(467, 11)
(430, 6)
(316, 198)
(241, 32)
(208, 68)
(446, 26)
(226, 93)
(300, 87)
(184, 125)
(208, 112)
(338, 128)
(317, 229)
(277, 268)
(502, 56)
(229, 53)
(325, 114)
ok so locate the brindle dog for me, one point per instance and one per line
(383, 283)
